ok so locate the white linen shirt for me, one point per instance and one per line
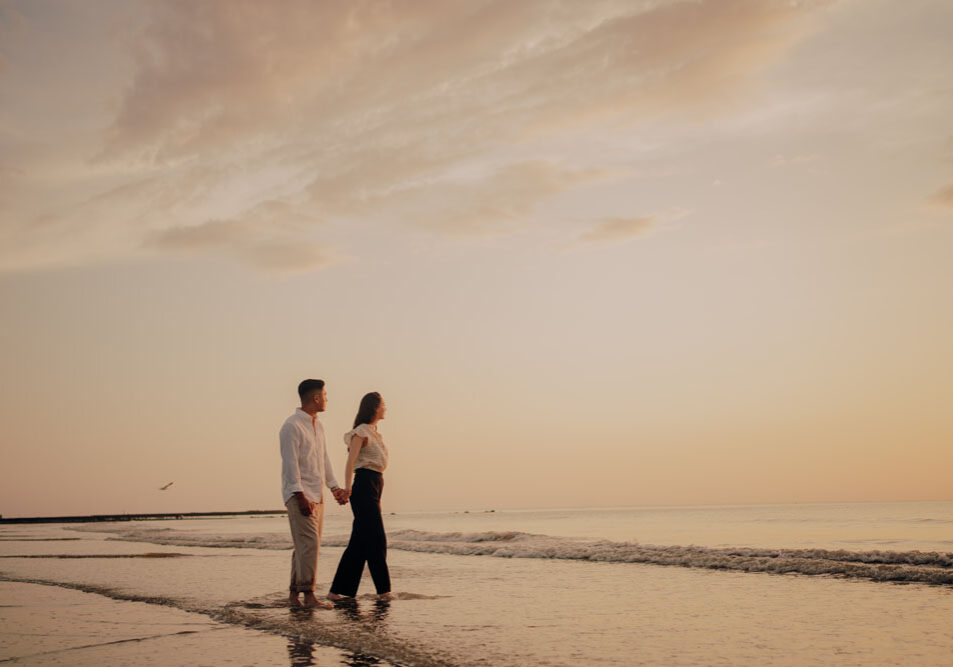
(304, 458)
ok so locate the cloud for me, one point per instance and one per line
(9, 178)
(618, 229)
(209, 74)
(504, 197)
(209, 235)
(943, 197)
(780, 160)
(287, 257)
(445, 116)
(272, 237)
(261, 249)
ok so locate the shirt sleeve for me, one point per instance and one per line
(290, 441)
(357, 430)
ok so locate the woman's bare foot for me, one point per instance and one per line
(312, 602)
(335, 596)
(293, 599)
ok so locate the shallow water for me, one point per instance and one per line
(572, 594)
(50, 625)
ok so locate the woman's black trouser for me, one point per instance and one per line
(368, 543)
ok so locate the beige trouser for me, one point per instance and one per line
(306, 535)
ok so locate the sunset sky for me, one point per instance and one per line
(605, 252)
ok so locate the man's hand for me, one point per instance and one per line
(305, 505)
(340, 495)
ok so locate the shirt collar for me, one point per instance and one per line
(302, 415)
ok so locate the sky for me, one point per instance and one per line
(600, 253)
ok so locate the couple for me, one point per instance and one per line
(306, 468)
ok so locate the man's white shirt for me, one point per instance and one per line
(305, 465)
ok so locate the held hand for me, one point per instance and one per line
(340, 495)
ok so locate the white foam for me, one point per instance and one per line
(878, 565)
(910, 566)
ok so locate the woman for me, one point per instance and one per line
(366, 459)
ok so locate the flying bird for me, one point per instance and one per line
(163, 488)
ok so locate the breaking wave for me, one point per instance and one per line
(886, 566)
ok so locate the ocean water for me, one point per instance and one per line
(857, 583)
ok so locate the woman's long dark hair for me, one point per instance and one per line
(368, 408)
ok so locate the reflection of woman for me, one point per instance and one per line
(367, 459)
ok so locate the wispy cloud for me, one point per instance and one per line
(268, 252)
(487, 203)
(209, 235)
(287, 257)
(785, 160)
(943, 197)
(618, 229)
(272, 237)
(438, 115)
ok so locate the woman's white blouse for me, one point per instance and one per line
(373, 455)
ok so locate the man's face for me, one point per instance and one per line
(320, 399)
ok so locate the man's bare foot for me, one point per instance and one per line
(312, 602)
(293, 599)
(384, 596)
(335, 596)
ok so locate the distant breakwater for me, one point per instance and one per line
(93, 518)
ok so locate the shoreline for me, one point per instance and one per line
(163, 516)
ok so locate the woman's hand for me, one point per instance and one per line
(341, 495)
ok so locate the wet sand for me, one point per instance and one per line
(49, 625)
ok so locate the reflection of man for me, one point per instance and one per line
(305, 468)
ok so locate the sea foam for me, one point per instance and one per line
(887, 566)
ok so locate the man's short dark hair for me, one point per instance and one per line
(308, 387)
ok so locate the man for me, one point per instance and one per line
(305, 468)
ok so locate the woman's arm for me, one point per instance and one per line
(357, 442)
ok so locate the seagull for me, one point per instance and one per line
(163, 488)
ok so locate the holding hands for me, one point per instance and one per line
(341, 495)
(307, 507)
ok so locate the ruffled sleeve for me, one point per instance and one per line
(361, 430)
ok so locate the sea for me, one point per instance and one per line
(791, 584)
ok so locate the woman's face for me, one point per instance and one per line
(381, 410)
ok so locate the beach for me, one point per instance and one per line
(642, 309)
(774, 584)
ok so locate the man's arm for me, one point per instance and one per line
(290, 440)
